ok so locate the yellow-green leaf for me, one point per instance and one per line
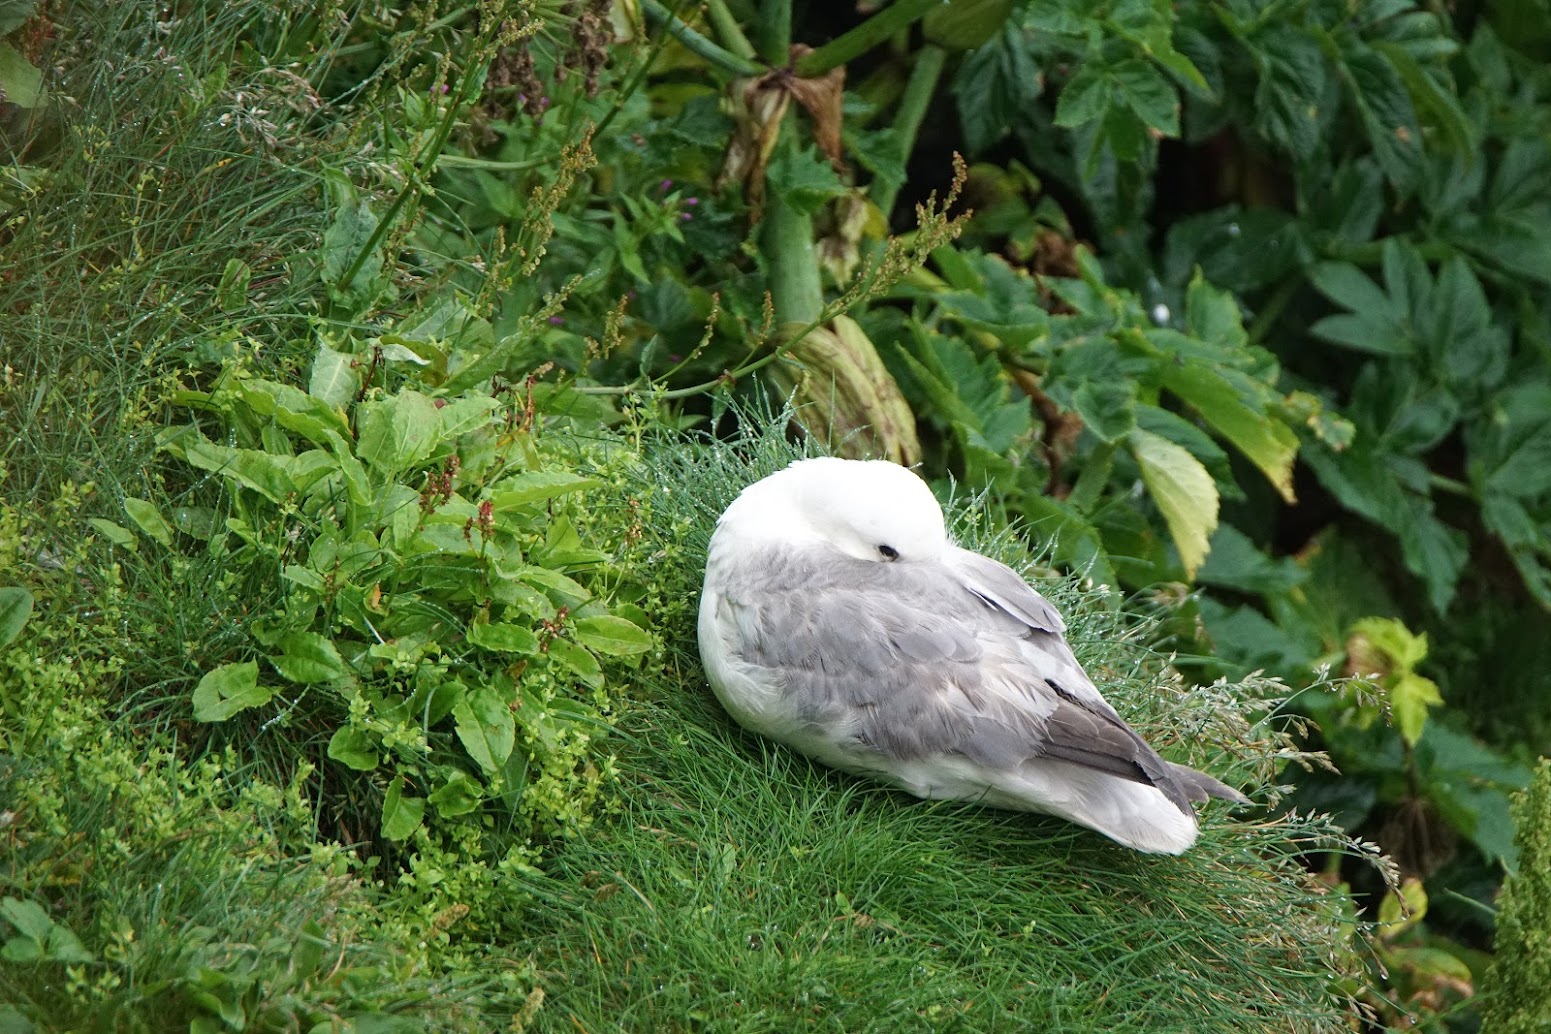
(1409, 698)
(1184, 492)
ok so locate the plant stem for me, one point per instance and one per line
(1275, 305)
(863, 37)
(775, 31)
(786, 240)
(698, 44)
(925, 70)
(728, 30)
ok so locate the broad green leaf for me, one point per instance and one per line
(464, 415)
(14, 14)
(504, 637)
(458, 796)
(229, 690)
(1440, 100)
(353, 747)
(578, 660)
(1085, 97)
(149, 519)
(1074, 540)
(485, 727)
(1183, 490)
(15, 609)
(1144, 90)
(1433, 551)
(115, 533)
(397, 432)
(29, 917)
(401, 815)
(608, 633)
(21, 949)
(1267, 442)
(269, 476)
(536, 486)
(569, 590)
(345, 240)
(336, 377)
(1236, 563)
(307, 657)
(64, 946)
(1409, 698)
(294, 409)
(20, 81)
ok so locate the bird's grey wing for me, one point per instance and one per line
(1002, 587)
(911, 663)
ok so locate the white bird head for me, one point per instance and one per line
(870, 510)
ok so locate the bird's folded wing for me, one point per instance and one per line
(912, 664)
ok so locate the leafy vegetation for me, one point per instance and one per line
(351, 537)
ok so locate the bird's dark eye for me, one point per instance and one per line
(889, 552)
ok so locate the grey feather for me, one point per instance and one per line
(898, 655)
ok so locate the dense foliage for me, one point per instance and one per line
(345, 349)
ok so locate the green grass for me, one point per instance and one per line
(739, 887)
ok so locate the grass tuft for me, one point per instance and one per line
(741, 887)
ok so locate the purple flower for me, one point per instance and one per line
(558, 321)
(685, 216)
(666, 186)
(692, 201)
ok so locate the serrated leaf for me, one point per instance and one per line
(1183, 490)
(15, 610)
(610, 634)
(353, 747)
(401, 815)
(504, 637)
(1146, 92)
(149, 518)
(397, 432)
(802, 179)
(1267, 442)
(229, 690)
(1409, 698)
(485, 727)
(307, 657)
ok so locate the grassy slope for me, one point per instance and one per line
(739, 887)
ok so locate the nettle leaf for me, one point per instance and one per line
(401, 815)
(15, 610)
(307, 657)
(354, 747)
(1183, 490)
(485, 727)
(996, 88)
(803, 180)
(608, 633)
(1294, 76)
(149, 519)
(397, 432)
(1382, 101)
(229, 690)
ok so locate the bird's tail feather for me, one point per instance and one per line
(1199, 786)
